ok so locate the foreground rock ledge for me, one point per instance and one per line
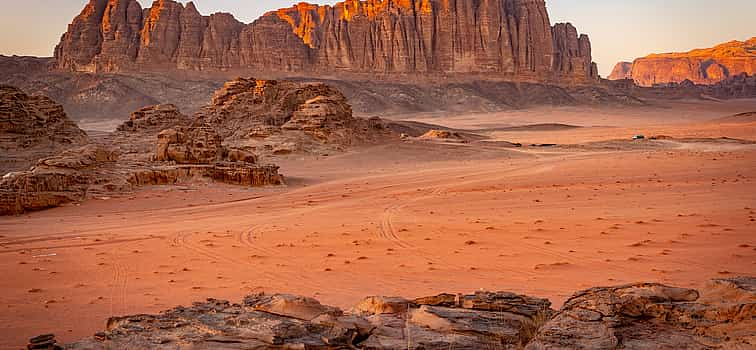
(637, 316)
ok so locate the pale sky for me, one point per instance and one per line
(619, 29)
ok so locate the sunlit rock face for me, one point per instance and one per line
(622, 70)
(702, 66)
(506, 38)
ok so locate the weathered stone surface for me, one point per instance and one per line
(622, 70)
(191, 145)
(572, 53)
(53, 181)
(293, 306)
(153, 119)
(701, 66)
(506, 38)
(273, 117)
(246, 174)
(32, 127)
(245, 105)
(293, 322)
(639, 316)
(653, 316)
(378, 305)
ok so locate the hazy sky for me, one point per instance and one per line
(619, 29)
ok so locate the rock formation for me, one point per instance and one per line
(153, 119)
(192, 145)
(279, 116)
(653, 316)
(638, 316)
(32, 127)
(622, 70)
(67, 177)
(701, 66)
(504, 38)
(157, 145)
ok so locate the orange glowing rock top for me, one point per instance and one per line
(304, 18)
(729, 49)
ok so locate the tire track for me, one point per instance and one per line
(82, 245)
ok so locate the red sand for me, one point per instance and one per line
(408, 219)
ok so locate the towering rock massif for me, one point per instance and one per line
(507, 38)
(701, 66)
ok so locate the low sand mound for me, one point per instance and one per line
(540, 127)
(747, 117)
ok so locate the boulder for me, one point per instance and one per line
(286, 305)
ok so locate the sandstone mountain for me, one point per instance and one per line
(496, 38)
(635, 316)
(701, 66)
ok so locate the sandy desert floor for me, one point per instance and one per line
(409, 219)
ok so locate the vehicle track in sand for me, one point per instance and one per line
(80, 245)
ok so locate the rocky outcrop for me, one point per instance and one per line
(64, 178)
(622, 70)
(572, 53)
(701, 66)
(278, 116)
(32, 127)
(653, 316)
(191, 145)
(504, 38)
(153, 119)
(638, 316)
(226, 172)
(479, 321)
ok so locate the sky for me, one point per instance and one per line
(620, 30)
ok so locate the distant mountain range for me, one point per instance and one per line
(701, 66)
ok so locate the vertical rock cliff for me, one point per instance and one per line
(499, 38)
